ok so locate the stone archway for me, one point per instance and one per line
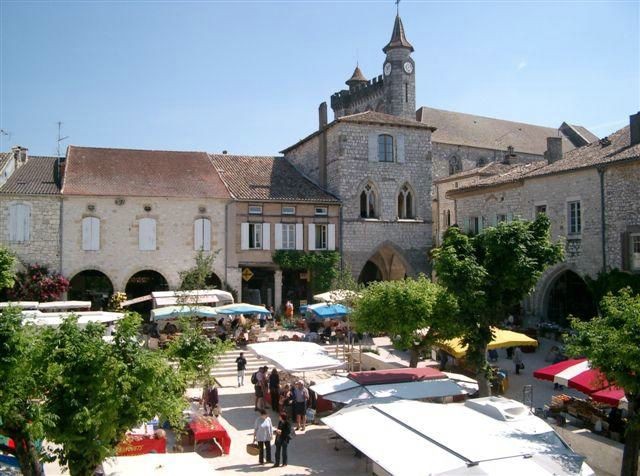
(142, 283)
(386, 264)
(91, 285)
(567, 295)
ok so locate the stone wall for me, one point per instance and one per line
(305, 158)
(43, 246)
(119, 257)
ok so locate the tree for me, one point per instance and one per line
(415, 313)
(196, 277)
(21, 414)
(321, 267)
(612, 344)
(489, 274)
(7, 272)
(96, 391)
(611, 281)
(37, 283)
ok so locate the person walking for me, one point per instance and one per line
(241, 364)
(262, 433)
(283, 436)
(517, 360)
(210, 398)
(274, 390)
(263, 379)
(300, 397)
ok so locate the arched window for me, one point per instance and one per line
(368, 202)
(385, 148)
(405, 203)
(455, 165)
(448, 218)
(202, 234)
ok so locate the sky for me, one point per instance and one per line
(248, 76)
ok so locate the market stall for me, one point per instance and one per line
(242, 308)
(502, 339)
(206, 428)
(169, 464)
(337, 295)
(328, 311)
(296, 357)
(175, 312)
(136, 444)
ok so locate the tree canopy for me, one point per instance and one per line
(415, 313)
(7, 264)
(489, 274)
(612, 344)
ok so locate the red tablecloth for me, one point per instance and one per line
(141, 445)
(203, 431)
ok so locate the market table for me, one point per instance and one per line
(134, 445)
(209, 429)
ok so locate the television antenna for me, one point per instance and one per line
(60, 138)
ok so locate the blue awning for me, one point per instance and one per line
(329, 310)
(173, 312)
(241, 308)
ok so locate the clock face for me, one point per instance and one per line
(408, 67)
(387, 69)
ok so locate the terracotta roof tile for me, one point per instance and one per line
(143, 173)
(267, 179)
(38, 176)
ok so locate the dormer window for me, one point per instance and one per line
(385, 148)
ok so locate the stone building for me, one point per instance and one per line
(132, 220)
(591, 195)
(274, 207)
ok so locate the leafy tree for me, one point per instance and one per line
(7, 272)
(196, 277)
(96, 391)
(612, 281)
(612, 344)
(21, 413)
(321, 267)
(416, 313)
(491, 273)
(37, 283)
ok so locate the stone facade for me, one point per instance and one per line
(119, 257)
(43, 246)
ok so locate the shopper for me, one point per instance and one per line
(283, 436)
(274, 390)
(300, 397)
(517, 360)
(262, 433)
(241, 364)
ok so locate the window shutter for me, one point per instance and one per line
(147, 234)
(480, 224)
(266, 236)
(494, 220)
(466, 228)
(400, 148)
(198, 234)
(312, 236)
(299, 236)
(206, 234)
(278, 236)
(95, 233)
(86, 234)
(331, 237)
(373, 147)
(26, 223)
(509, 217)
(13, 223)
(244, 236)
(625, 248)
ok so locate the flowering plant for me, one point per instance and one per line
(37, 283)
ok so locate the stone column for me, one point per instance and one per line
(277, 279)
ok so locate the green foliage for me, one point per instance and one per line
(7, 265)
(612, 344)
(611, 282)
(416, 313)
(96, 391)
(196, 277)
(490, 273)
(321, 264)
(193, 350)
(37, 283)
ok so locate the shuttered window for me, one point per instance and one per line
(19, 222)
(90, 234)
(202, 234)
(635, 251)
(147, 234)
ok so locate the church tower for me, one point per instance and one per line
(399, 75)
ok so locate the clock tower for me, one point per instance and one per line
(399, 70)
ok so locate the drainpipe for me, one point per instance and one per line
(341, 242)
(61, 241)
(601, 171)
(226, 240)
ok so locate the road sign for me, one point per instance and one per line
(247, 274)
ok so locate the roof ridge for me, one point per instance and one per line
(492, 118)
(138, 150)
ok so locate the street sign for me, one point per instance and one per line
(247, 274)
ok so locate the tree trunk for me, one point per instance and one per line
(414, 357)
(632, 439)
(27, 455)
(477, 358)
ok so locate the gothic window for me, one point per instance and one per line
(405, 203)
(447, 218)
(455, 165)
(368, 202)
(385, 148)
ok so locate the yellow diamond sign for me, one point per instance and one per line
(247, 274)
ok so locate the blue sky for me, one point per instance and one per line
(248, 76)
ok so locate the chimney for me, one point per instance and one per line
(554, 149)
(20, 155)
(634, 128)
(510, 157)
(322, 116)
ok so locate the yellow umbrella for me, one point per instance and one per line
(501, 338)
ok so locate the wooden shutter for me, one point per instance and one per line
(299, 236)
(19, 222)
(244, 236)
(90, 234)
(206, 234)
(13, 223)
(625, 248)
(373, 147)
(466, 226)
(312, 236)
(509, 217)
(266, 236)
(331, 237)
(147, 234)
(494, 220)
(278, 236)
(198, 234)
(400, 148)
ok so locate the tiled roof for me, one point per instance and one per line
(267, 178)
(590, 155)
(4, 158)
(491, 168)
(356, 77)
(36, 177)
(367, 117)
(488, 133)
(142, 173)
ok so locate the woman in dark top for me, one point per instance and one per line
(274, 389)
(283, 436)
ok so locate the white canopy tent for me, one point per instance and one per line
(64, 305)
(172, 298)
(20, 304)
(490, 435)
(159, 464)
(296, 356)
(55, 319)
